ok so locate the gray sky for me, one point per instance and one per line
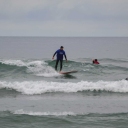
(64, 18)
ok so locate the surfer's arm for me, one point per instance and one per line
(54, 55)
(65, 57)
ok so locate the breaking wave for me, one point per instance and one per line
(41, 87)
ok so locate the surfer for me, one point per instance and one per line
(60, 53)
(95, 61)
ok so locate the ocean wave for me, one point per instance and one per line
(19, 63)
(45, 68)
(22, 112)
(40, 87)
(64, 113)
(36, 67)
(31, 113)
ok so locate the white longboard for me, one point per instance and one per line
(74, 71)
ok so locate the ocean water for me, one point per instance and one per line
(33, 94)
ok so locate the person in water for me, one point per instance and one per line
(60, 53)
(95, 61)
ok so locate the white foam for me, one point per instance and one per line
(40, 87)
(13, 62)
(41, 68)
(38, 68)
(21, 111)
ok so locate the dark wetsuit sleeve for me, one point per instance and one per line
(65, 56)
(54, 54)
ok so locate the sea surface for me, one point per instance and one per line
(34, 95)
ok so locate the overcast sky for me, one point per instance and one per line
(84, 18)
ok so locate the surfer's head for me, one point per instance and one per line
(61, 47)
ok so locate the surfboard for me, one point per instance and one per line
(74, 71)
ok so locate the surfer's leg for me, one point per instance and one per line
(56, 64)
(61, 61)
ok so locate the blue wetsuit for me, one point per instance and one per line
(60, 53)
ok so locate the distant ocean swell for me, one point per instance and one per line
(33, 113)
(41, 87)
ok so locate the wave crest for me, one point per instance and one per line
(36, 67)
(21, 111)
(40, 87)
